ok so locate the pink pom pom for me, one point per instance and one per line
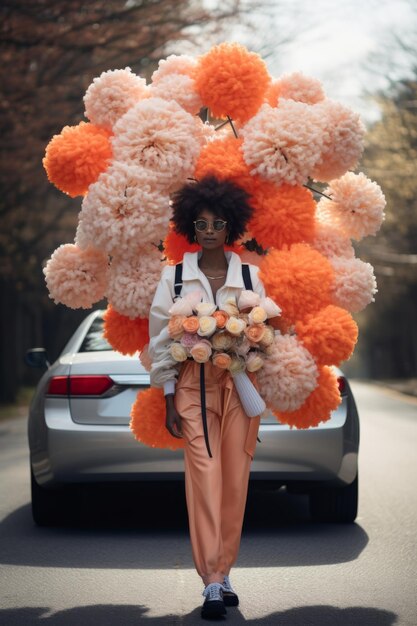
(161, 139)
(341, 142)
(77, 278)
(283, 145)
(112, 94)
(288, 376)
(354, 285)
(174, 64)
(296, 86)
(330, 241)
(356, 206)
(180, 88)
(121, 213)
(132, 282)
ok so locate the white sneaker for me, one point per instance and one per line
(213, 606)
(230, 596)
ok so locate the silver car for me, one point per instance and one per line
(78, 432)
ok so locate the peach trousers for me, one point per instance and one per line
(216, 488)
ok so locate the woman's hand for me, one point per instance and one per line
(173, 418)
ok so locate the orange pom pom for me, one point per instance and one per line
(324, 399)
(223, 157)
(175, 245)
(330, 335)
(148, 421)
(298, 279)
(75, 158)
(283, 215)
(124, 334)
(232, 81)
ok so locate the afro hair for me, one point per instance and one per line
(222, 197)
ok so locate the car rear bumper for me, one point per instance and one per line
(63, 451)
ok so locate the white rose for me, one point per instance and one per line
(205, 308)
(207, 326)
(235, 326)
(178, 352)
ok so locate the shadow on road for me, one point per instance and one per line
(110, 614)
(147, 528)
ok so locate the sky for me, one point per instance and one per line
(347, 44)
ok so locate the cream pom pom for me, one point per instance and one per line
(174, 64)
(341, 142)
(355, 283)
(121, 213)
(132, 284)
(289, 374)
(356, 206)
(180, 88)
(77, 278)
(296, 86)
(160, 138)
(330, 241)
(284, 144)
(112, 94)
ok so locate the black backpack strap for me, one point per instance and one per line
(246, 277)
(178, 280)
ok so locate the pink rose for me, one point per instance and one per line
(201, 351)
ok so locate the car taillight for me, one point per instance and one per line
(342, 384)
(79, 385)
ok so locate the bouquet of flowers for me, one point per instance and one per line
(236, 337)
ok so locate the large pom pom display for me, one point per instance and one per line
(120, 213)
(161, 139)
(354, 283)
(288, 375)
(232, 81)
(146, 144)
(356, 206)
(133, 281)
(299, 279)
(77, 278)
(112, 94)
(329, 335)
(330, 241)
(147, 421)
(283, 215)
(319, 405)
(124, 334)
(295, 86)
(283, 144)
(76, 157)
(341, 141)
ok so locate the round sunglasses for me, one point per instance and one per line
(202, 225)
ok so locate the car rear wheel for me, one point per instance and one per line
(335, 504)
(48, 505)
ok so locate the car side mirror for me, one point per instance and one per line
(36, 357)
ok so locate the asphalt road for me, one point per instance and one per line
(291, 572)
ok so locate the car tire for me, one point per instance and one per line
(48, 505)
(335, 504)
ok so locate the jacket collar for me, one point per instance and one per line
(191, 271)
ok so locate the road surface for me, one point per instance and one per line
(291, 571)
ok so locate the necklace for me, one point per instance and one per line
(215, 277)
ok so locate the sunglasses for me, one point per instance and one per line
(202, 225)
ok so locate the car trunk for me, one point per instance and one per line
(112, 406)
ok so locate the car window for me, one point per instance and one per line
(94, 340)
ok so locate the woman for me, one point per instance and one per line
(217, 462)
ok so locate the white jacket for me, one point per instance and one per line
(164, 369)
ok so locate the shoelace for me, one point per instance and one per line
(227, 586)
(213, 591)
